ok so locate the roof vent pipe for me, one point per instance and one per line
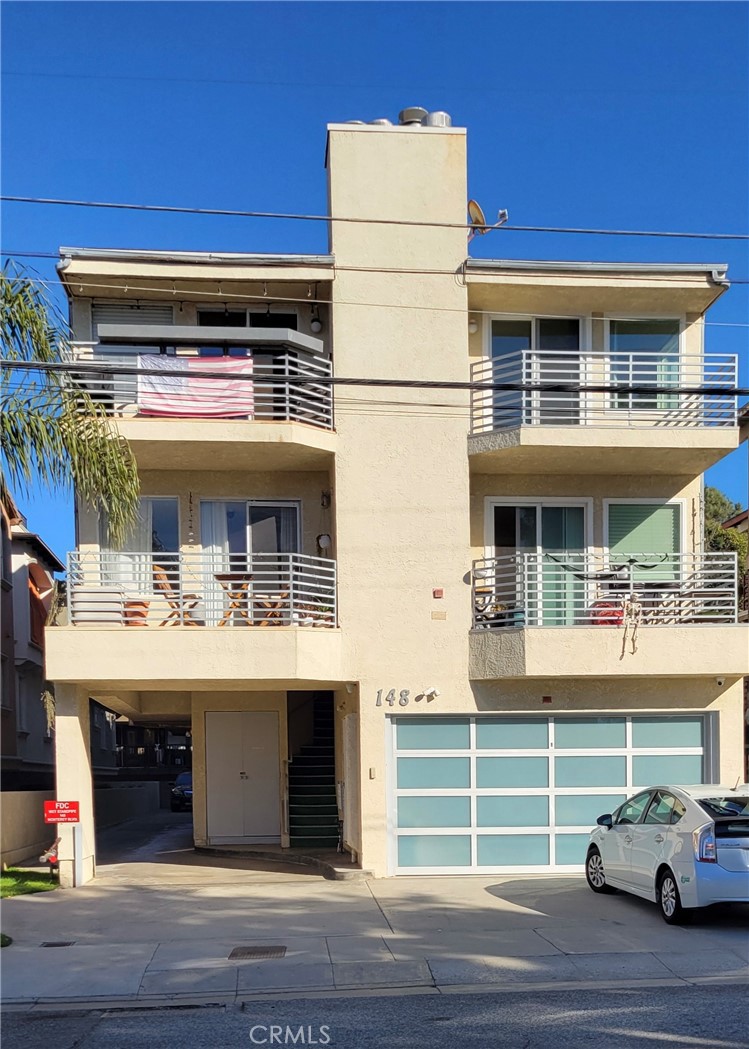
(438, 119)
(381, 120)
(412, 115)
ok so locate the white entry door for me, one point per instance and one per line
(242, 777)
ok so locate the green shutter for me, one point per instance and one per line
(642, 528)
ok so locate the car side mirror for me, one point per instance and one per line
(605, 821)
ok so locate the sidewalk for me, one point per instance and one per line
(166, 926)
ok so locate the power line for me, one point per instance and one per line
(116, 368)
(302, 217)
(219, 297)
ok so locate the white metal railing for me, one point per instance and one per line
(582, 589)
(201, 589)
(653, 404)
(279, 387)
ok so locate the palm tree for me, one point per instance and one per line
(50, 428)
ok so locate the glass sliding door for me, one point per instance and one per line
(247, 538)
(539, 574)
(510, 344)
(536, 350)
(558, 361)
(562, 543)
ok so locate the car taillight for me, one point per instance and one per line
(705, 849)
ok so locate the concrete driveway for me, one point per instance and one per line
(160, 922)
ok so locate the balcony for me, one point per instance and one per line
(566, 418)
(589, 615)
(146, 620)
(224, 398)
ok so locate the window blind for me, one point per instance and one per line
(636, 528)
(130, 313)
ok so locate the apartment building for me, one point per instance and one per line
(28, 585)
(464, 622)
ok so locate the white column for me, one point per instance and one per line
(74, 783)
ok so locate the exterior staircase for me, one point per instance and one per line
(313, 812)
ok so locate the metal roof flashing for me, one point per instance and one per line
(716, 271)
(218, 258)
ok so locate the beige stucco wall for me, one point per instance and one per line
(23, 833)
(401, 473)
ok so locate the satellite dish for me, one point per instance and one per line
(478, 220)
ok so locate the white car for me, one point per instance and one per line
(681, 847)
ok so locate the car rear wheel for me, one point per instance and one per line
(595, 874)
(669, 900)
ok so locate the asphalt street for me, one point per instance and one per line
(662, 1018)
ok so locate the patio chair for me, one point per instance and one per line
(181, 605)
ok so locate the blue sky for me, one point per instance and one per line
(613, 115)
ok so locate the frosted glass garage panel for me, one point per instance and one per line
(512, 734)
(433, 773)
(512, 772)
(582, 810)
(512, 812)
(434, 812)
(653, 769)
(667, 732)
(590, 733)
(590, 772)
(513, 850)
(434, 850)
(433, 734)
(571, 848)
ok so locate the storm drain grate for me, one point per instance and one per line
(257, 953)
(57, 943)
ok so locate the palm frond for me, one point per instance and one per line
(51, 430)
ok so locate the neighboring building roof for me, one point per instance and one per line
(20, 532)
(10, 510)
(737, 521)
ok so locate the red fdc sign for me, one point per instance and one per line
(62, 812)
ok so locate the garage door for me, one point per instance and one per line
(509, 794)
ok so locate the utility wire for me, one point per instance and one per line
(238, 213)
(219, 297)
(115, 368)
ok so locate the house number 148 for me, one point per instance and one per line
(403, 697)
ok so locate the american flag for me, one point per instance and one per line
(191, 396)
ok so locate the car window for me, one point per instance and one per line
(661, 808)
(184, 779)
(725, 805)
(679, 811)
(631, 811)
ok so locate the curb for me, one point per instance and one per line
(240, 1001)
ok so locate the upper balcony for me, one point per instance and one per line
(205, 619)
(575, 614)
(583, 412)
(190, 397)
